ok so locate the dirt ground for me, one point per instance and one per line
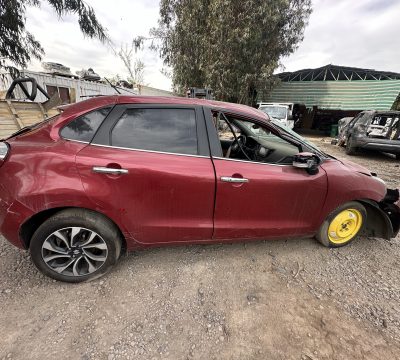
(262, 300)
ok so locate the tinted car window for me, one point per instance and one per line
(167, 130)
(84, 127)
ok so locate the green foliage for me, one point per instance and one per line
(17, 45)
(231, 46)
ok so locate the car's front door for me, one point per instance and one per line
(275, 200)
(163, 185)
(265, 200)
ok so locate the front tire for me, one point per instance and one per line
(76, 245)
(343, 225)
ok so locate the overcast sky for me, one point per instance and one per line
(362, 33)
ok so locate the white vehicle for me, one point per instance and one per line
(279, 111)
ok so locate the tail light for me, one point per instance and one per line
(4, 149)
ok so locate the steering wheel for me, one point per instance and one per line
(236, 145)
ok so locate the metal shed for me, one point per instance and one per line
(339, 88)
(331, 92)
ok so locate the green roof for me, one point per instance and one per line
(338, 87)
(344, 95)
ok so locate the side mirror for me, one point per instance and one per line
(290, 117)
(308, 161)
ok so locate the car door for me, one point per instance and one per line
(263, 200)
(152, 165)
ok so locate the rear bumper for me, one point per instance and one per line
(12, 215)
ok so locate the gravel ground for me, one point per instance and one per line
(261, 300)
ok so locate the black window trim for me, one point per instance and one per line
(111, 106)
(103, 136)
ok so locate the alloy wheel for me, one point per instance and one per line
(74, 251)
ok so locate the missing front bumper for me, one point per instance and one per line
(390, 205)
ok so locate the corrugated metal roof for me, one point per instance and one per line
(343, 95)
(337, 72)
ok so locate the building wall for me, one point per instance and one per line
(340, 95)
(150, 91)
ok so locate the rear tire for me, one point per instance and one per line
(397, 156)
(351, 149)
(343, 225)
(76, 245)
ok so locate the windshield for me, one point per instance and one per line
(277, 112)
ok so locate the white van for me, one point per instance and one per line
(279, 111)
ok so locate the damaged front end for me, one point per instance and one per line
(390, 205)
(383, 217)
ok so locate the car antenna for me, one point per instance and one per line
(113, 86)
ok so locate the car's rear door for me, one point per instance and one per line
(152, 164)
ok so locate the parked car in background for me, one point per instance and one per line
(279, 111)
(373, 130)
(117, 173)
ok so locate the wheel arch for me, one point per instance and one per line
(378, 223)
(28, 228)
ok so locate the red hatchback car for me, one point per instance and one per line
(115, 173)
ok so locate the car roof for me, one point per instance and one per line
(381, 112)
(101, 101)
(388, 112)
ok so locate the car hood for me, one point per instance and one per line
(355, 167)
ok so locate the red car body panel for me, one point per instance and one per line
(169, 198)
(277, 201)
(173, 195)
(349, 183)
(36, 183)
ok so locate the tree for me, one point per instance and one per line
(231, 46)
(18, 45)
(135, 67)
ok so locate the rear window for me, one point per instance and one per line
(166, 130)
(84, 127)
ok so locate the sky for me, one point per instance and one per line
(361, 33)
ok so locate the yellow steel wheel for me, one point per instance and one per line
(345, 226)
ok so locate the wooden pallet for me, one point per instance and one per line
(15, 115)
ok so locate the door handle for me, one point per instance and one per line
(106, 170)
(234, 179)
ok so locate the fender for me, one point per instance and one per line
(378, 222)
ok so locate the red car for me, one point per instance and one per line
(115, 173)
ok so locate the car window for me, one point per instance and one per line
(84, 127)
(166, 130)
(245, 140)
(364, 119)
